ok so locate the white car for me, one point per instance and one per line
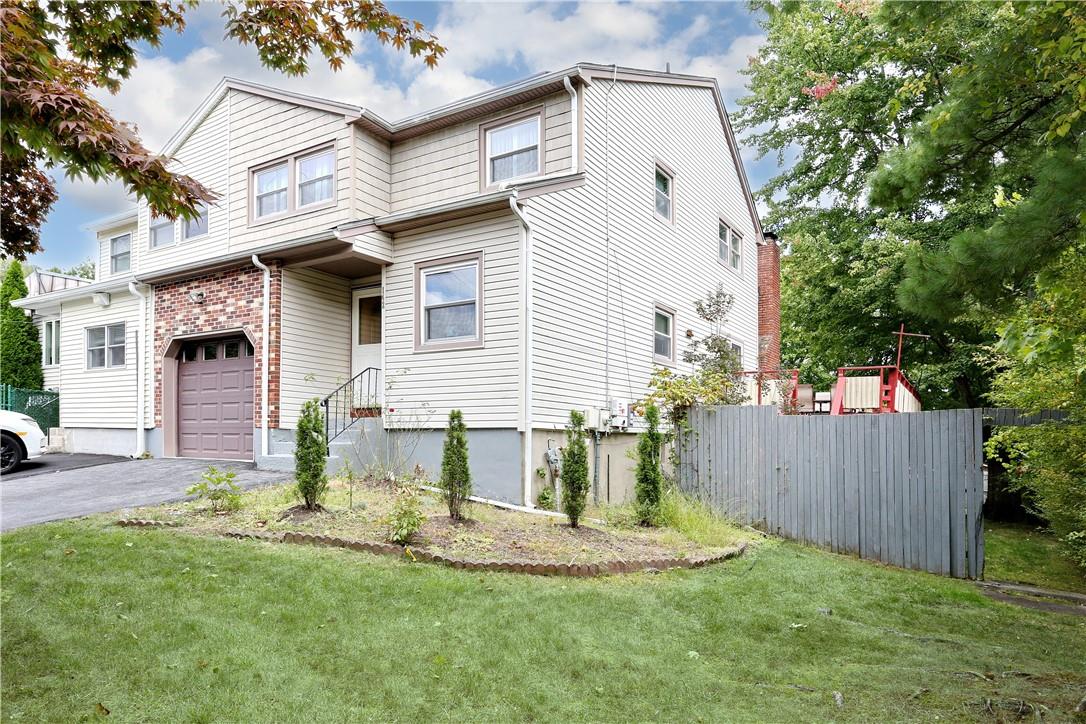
(22, 440)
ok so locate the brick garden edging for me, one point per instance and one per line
(533, 568)
(530, 567)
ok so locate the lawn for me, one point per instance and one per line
(1026, 554)
(159, 625)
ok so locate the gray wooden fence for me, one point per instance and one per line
(905, 488)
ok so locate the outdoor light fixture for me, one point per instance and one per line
(197, 296)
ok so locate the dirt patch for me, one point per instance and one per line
(300, 513)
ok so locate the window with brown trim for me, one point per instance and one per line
(300, 182)
(512, 147)
(449, 303)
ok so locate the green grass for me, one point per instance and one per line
(1026, 554)
(158, 625)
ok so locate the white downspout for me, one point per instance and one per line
(141, 372)
(527, 370)
(573, 117)
(265, 334)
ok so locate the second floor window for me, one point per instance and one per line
(105, 346)
(191, 228)
(271, 190)
(512, 150)
(731, 247)
(51, 349)
(160, 232)
(315, 178)
(663, 194)
(120, 253)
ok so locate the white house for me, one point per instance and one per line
(527, 251)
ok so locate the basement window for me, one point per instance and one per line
(663, 334)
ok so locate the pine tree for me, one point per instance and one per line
(455, 471)
(20, 347)
(310, 450)
(574, 475)
(650, 479)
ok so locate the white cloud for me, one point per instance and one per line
(162, 92)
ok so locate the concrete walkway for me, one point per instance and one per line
(113, 486)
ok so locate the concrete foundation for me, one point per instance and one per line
(615, 484)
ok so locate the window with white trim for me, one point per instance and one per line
(270, 188)
(316, 177)
(105, 346)
(160, 232)
(663, 333)
(120, 253)
(512, 150)
(51, 348)
(664, 188)
(450, 303)
(731, 247)
(192, 228)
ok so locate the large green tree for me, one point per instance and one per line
(20, 346)
(833, 91)
(54, 53)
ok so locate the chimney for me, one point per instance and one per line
(769, 302)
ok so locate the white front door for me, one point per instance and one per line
(366, 318)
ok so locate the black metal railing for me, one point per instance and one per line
(355, 399)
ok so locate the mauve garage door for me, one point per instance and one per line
(215, 400)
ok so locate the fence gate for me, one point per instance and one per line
(42, 405)
(906, 489)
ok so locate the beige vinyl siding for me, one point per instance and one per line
(372, 159)
(98, 397)
(264, 129)
(652, 262)
(104, 269)
(316, 342)
(203, 156)
(445, 164)
(484, 382)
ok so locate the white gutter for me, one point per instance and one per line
(572, 123)
(141, 368)
(264, 335)
(526, 276)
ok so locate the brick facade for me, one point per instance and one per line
(232, 299)
(769, 304)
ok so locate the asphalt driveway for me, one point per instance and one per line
(72, 493)
(55, 462)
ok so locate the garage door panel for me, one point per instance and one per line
(216, 405)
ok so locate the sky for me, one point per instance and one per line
(488, 44)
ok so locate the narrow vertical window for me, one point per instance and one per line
(663, 194)
(731, 247)
(51, 348)
(120, 253)
(664, 336)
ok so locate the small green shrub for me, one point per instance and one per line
(406, 518)
(455, 473)
(310, 450)
(649, 477)
(574, 469)
(218, 488)
(545, 499)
